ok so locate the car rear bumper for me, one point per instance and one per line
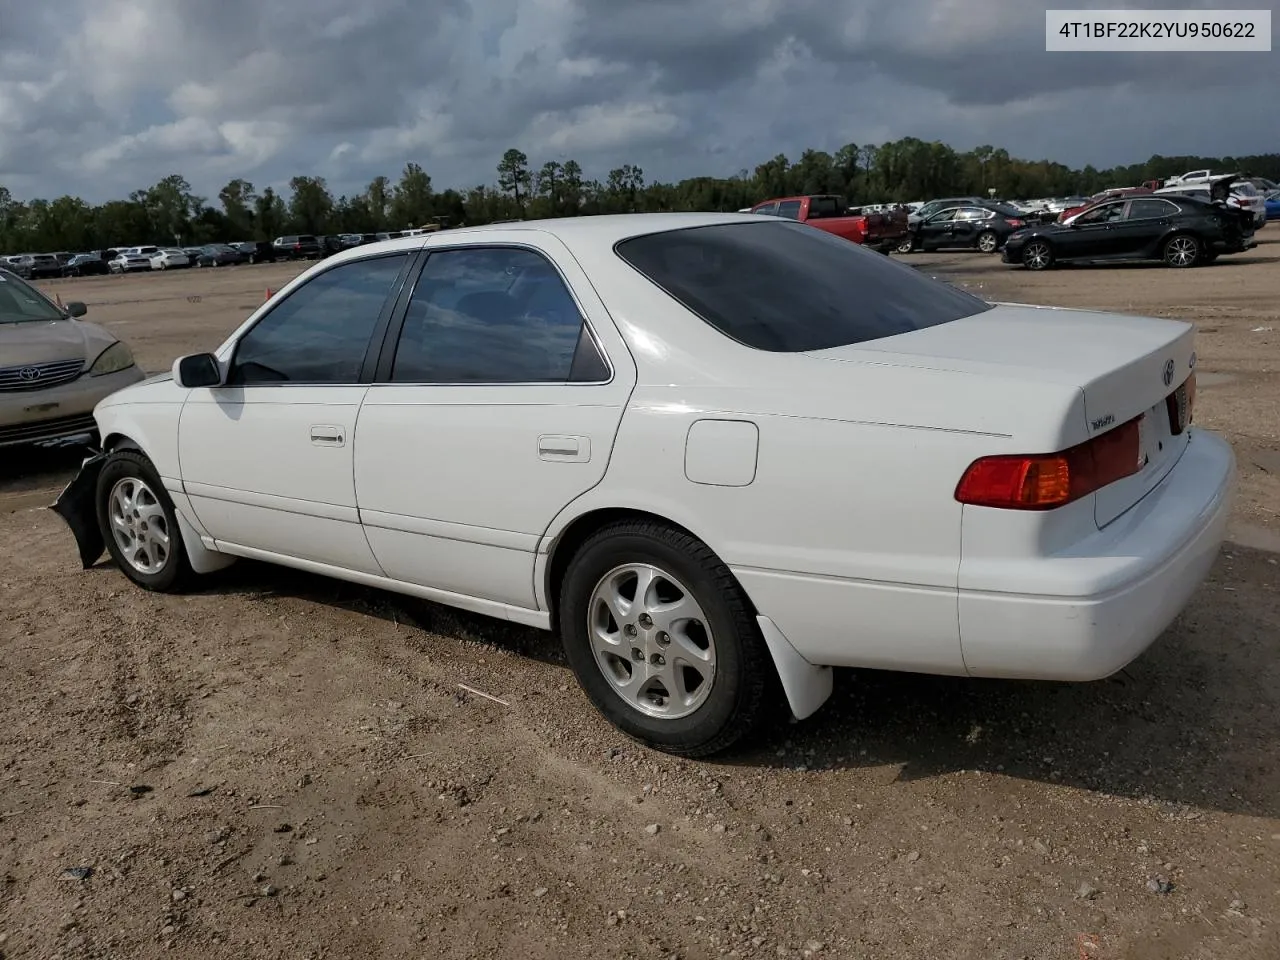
(60, 412)
(1085, 615)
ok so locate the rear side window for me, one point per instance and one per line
(787, 287)
(789, 209)
(493, 315)
(1150, 209)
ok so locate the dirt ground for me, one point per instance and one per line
(282, 766)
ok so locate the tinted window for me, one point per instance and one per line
(493, 315)
(788, 287)
(946, 216)
(1102, 214)
(789, 209)
(769, 209)
(825, 207)
(1150, 209)
(320, 333)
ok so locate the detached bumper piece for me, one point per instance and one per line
(76, 506)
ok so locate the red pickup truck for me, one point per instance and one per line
(880, 231)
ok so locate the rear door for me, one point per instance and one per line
(968, 222)
(496, 402)
(1146, 221)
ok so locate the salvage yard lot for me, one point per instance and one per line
(321, 785)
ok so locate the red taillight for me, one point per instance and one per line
(1045, 481)
(1015, 223)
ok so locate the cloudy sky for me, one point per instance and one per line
(100, 97)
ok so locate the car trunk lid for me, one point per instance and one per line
(1124, 366)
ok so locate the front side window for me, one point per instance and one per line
(767, 210)
(1102, 214)
(946, 216)
(320, 333)
(493, 315)
(787, 287)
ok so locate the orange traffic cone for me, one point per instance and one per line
(58, 298)
(268, 296)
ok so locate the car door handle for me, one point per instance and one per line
(327, 436)
(565, 448)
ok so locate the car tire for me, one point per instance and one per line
(718, 644)
(139, 524)
(1037, 255)
(1181, 250)
(988, 241)
(906, 245)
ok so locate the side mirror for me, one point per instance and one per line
(76, 309)
(197, 370)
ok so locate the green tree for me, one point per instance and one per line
(237, 199)
(270, 214)
(514, 176)
(411, 204)
(378, 201)
(311, 204)
(550, 183)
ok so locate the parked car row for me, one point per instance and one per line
(1192, 222)
(136, 259)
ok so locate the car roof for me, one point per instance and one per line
(574, 232)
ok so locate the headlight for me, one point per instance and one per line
(115, 358)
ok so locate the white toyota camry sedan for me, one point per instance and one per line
(719, 453)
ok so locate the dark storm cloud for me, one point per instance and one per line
(99, 97)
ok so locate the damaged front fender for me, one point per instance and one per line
(77, 505)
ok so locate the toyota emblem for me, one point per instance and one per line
(29, 374)
(1168, 372)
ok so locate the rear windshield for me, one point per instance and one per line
(787, 287)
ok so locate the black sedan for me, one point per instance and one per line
(969, 226)
(86, 265)
(218, 255)
(1181, 231)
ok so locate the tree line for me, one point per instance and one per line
(903, 170)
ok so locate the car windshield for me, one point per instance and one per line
(787, 287)
(22, 303)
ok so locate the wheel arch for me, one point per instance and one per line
(806, 685)
(562, 546)
(202, 558)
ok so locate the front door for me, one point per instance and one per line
(495, 405)
(1092, 234)
(1145, 222)
(266, 459)
(935, 233)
